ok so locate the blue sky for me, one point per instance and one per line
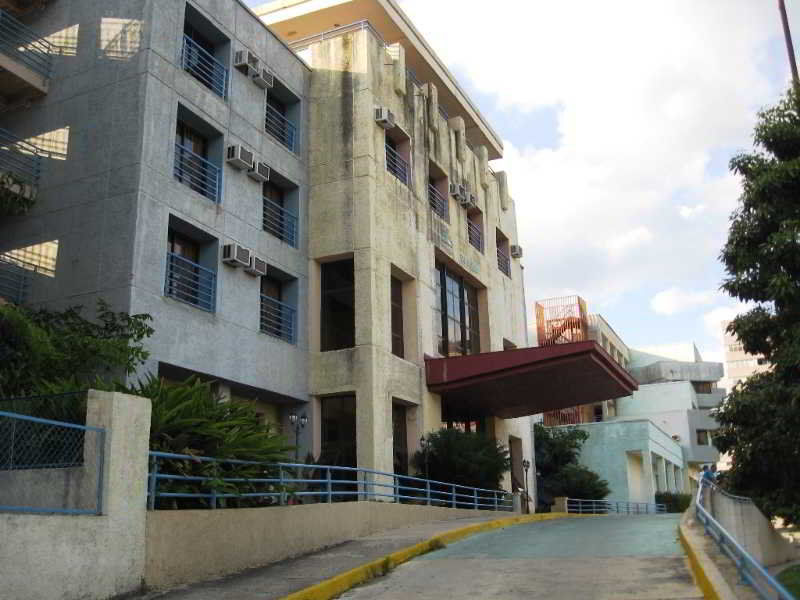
(618, 120)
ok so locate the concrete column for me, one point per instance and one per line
(649, 481)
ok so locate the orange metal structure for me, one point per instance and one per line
(561, 320)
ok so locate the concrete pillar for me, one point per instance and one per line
(649, 481)
(560, 505)
(502, 184)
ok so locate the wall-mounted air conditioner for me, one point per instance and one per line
(516, 251)
(454, 190)
(468, 201)
(235, 255)
(259, 172)
(257, 267)
(264, 79)
(239, 157)
(246, 62)
(384, 117)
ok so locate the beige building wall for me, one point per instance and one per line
(360, 210)
(738, 364)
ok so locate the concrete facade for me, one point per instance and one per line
(739, 365)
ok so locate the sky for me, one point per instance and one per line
(618, 120)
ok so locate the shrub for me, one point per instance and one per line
(576, 481)
(676, 503)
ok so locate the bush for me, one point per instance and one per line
(576, 481)
(676, 503)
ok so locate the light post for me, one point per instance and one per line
(526, 464)
(298, 425)
(424, 445)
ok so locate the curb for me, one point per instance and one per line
(330, 588)
(706, 574)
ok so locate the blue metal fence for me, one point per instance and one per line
(396, 164)
(197, 173)
(25, 45)
(280, 484)
(281, 128)
(204, 67)
(278, 319)
(619, 507)
(35, 451)
(750, 570)
(19, 157)
(191, 283)
(280, 222)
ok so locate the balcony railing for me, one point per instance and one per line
(438, 203)
(396, 165)
(278, 319)
(13, 281)
(19, 158)
(280, 222)
(413, 77)
(190, 283)
(202, 65)
(443, 113)
(281, 128)
(475, 236)
(197, 173)
(503, 261)
(24, 45)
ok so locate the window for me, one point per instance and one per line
(187, 279)
(598, 412)
(204, 52)
(397, 317)
(702, 387)
(198, 154)
(282, 115)
(398, 154)
(338, 432)
(703, 437)
(338, 322)
(278, 313)
(280, 209)
(456, 307)
(503, 255)
(400, 438)
(475, 230)
(437, 198)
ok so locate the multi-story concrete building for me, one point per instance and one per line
(739, 365)
(159, 136)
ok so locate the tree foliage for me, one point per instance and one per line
(17, 196)
(761, 417)
(557, 451)
(464, 458)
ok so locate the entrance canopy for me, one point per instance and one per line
(527, 381)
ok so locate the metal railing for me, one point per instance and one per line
(280, 222)
(281, 128)
(412, 76)
(443, 113)
(336, 32)
(438, 203)
(396, 164)
(13, 282)
(33, 451)
(278, 319)
(24, 45)
(190, 283)
(198, 173)
(606, 507)
(203, 66)
(503, 261)
(19, 157)
(292, 483)
(475, 236)
(750, 570)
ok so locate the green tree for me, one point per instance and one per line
(577, 481)
(464, 458)
(557, 452)
(760, 419)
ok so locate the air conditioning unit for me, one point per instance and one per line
(516, 251)
(257, 266)
(239, 157)
(454, 190)
(384, 117)
(468, 201)
(677, 438)
(264, 79)
(259, 172)
(236, 255)
(246, 62)
(462, 192)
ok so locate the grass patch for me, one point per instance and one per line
(790, 578)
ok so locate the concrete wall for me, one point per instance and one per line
(748, 526)
(88, 557)
(193, 545)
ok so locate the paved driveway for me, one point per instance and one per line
(595, 557)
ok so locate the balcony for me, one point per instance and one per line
(396, 165)
(278, 319)
(13, 281)
(204, 67)
(443, 113)
(20, 166)
(197, 173)
(438, 203)
(191, 283)
(26, 60)
(503, 262)
(712, 400)
(281, 128)
(280, 222)
(475, 236)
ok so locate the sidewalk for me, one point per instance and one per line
(279, 579)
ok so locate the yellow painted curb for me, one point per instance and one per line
(330, 588)
(700, 576)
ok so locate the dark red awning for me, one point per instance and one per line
(527, 381)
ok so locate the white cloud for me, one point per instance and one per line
(713, 319)
(689, 212)
(629, 241)
(675, 300)
(676, 350)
